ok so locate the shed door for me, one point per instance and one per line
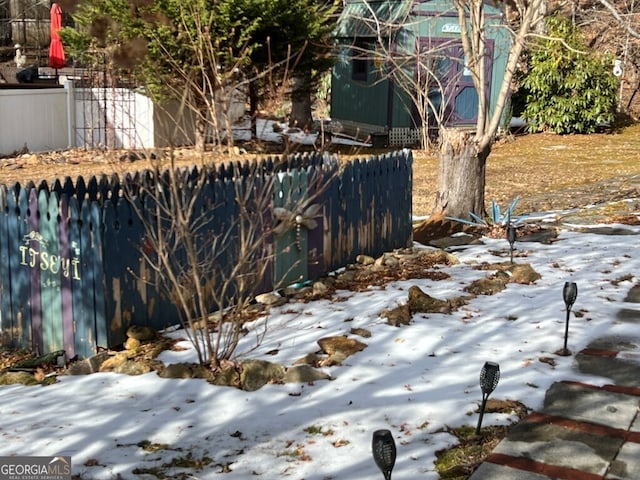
(453, 93)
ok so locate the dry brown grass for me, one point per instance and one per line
(545, 170)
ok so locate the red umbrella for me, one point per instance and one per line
(56, 50)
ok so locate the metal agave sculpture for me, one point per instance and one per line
(287, 219)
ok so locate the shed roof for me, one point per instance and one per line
(362, 18)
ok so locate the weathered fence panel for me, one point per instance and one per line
(73, 276)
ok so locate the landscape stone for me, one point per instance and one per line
(421, 302)
(309, 359)
(113, 362)
(131, 343)
(341, 345)
(365, 260)
(142, 333)
(177, 370)
(319, 288)
(523, 273)
(88, 365)
(304, 374)
(271, 299)
(257, 373)
(633, 295)
(361, 332)
(227, 377)
(131, 367)
(400, 315)
(14, 378)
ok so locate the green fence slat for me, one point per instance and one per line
(290, 264)
(82, 297)
(94, 221)
(50, 283)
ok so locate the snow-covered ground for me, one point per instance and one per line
(414, 380)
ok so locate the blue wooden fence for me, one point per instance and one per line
(72, 276)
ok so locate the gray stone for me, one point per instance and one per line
(304, 374)
(523, 273)
(15, 378)
(347, 276)
(390, 260)
(628, 315)
(422, 302)
(492, 471)
(271, 299)
(361, 332)
(623, 369)
(177, 370)
(593, 405)
(455, 241)
(88, 365)
(309, 359)
(227, 377)
(365, 260)
(257, 373)
(319, 288)
(132, 368)
(554, 445)
(114, 361)
(486, 286)
(544, 236)
(131, 343)
(341, 345)
(608, 231)
(142, 333)
(400, 315)
(626, 465)
(633, 295)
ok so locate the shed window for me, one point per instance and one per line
(360, 62)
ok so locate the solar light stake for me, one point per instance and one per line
(489, 378)
(384, 451)
(511, 238)
(569, 294)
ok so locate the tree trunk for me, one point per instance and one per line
(461, 175)
(200, 133)
(301, 115)
(253, 108)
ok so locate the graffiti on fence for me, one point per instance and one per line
(44, 260)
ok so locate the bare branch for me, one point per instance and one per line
(621, 21)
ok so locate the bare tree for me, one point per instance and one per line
(415, 69)
(210, 243)
(614, 27)
(463, 154)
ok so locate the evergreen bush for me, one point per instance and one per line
(569, 89)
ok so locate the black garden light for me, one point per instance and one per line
(384, 451)
(489, 378)
(569, 294)
(511, 238)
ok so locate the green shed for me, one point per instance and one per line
(374, 38)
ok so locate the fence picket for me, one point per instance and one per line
(7, 322)
(83, 320)
(49, 272)
(33, 237)
(66, 283)
(93, 219)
